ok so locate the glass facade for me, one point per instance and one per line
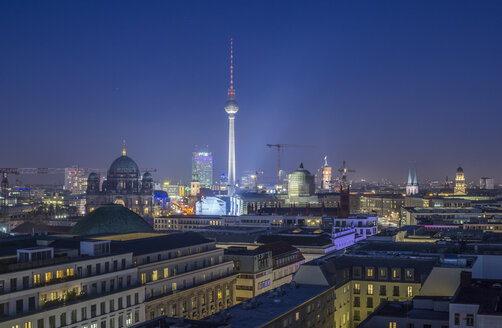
(202, 167)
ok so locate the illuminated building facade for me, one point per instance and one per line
(75, 179)
(486, 183)
(254, 269)
(202, 166)
(460, 187)
(123, 186)
(326, 175)
(231, 107)
(412, 185)
(112, 281)
(301, 183)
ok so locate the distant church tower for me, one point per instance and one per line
(412, 185)
(460, 188)
(326, 175)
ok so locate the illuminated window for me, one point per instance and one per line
(27, 324)
(357, 288)
(220, 294)
(396, 274)
(129, 319)
(392, 324)
(409, 274)
(48, 276)
(59, 274)
(143, 278)
(155, 275)
(370, 289)
(36, 279)
(69, 272)
(410, 291)
(297, 316)
(370, 273)
(174, 286)
(166, 272)
(54, 296)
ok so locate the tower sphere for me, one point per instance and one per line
(231, 106)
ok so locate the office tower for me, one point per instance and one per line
(202, 166)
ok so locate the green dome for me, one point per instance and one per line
(111, 219)
(123, 164)
(93, 176)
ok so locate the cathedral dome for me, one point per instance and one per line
(123, 165)
(147, 176)
(93, 176)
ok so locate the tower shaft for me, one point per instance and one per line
(231, 155)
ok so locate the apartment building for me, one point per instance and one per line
(110, 281)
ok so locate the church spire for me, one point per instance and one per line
(409, 178)
(415, 180)
(124, 152)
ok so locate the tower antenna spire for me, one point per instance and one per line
(231, 91)
(123, 148)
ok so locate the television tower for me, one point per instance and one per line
(231, 108)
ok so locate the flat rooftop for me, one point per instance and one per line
(266, 307)
(406, 309)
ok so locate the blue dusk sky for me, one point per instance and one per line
(384, 85)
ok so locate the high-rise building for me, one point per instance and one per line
(412, 185)
(486, 183)
(326, 175)
(231, 108)
(460, 188)
(75, 179)
(202, 166)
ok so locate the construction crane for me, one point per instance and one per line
(344, 170)
(279, 147)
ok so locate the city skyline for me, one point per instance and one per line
(341, 74)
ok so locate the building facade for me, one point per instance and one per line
(75, 179)
(202, 166)
(124, 185)
(254, 271)
(460, 187)
(111, 281)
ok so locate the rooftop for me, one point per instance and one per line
(406, 309)
(486, 293)
(111, 219)
(300, 240)
(268, 306)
